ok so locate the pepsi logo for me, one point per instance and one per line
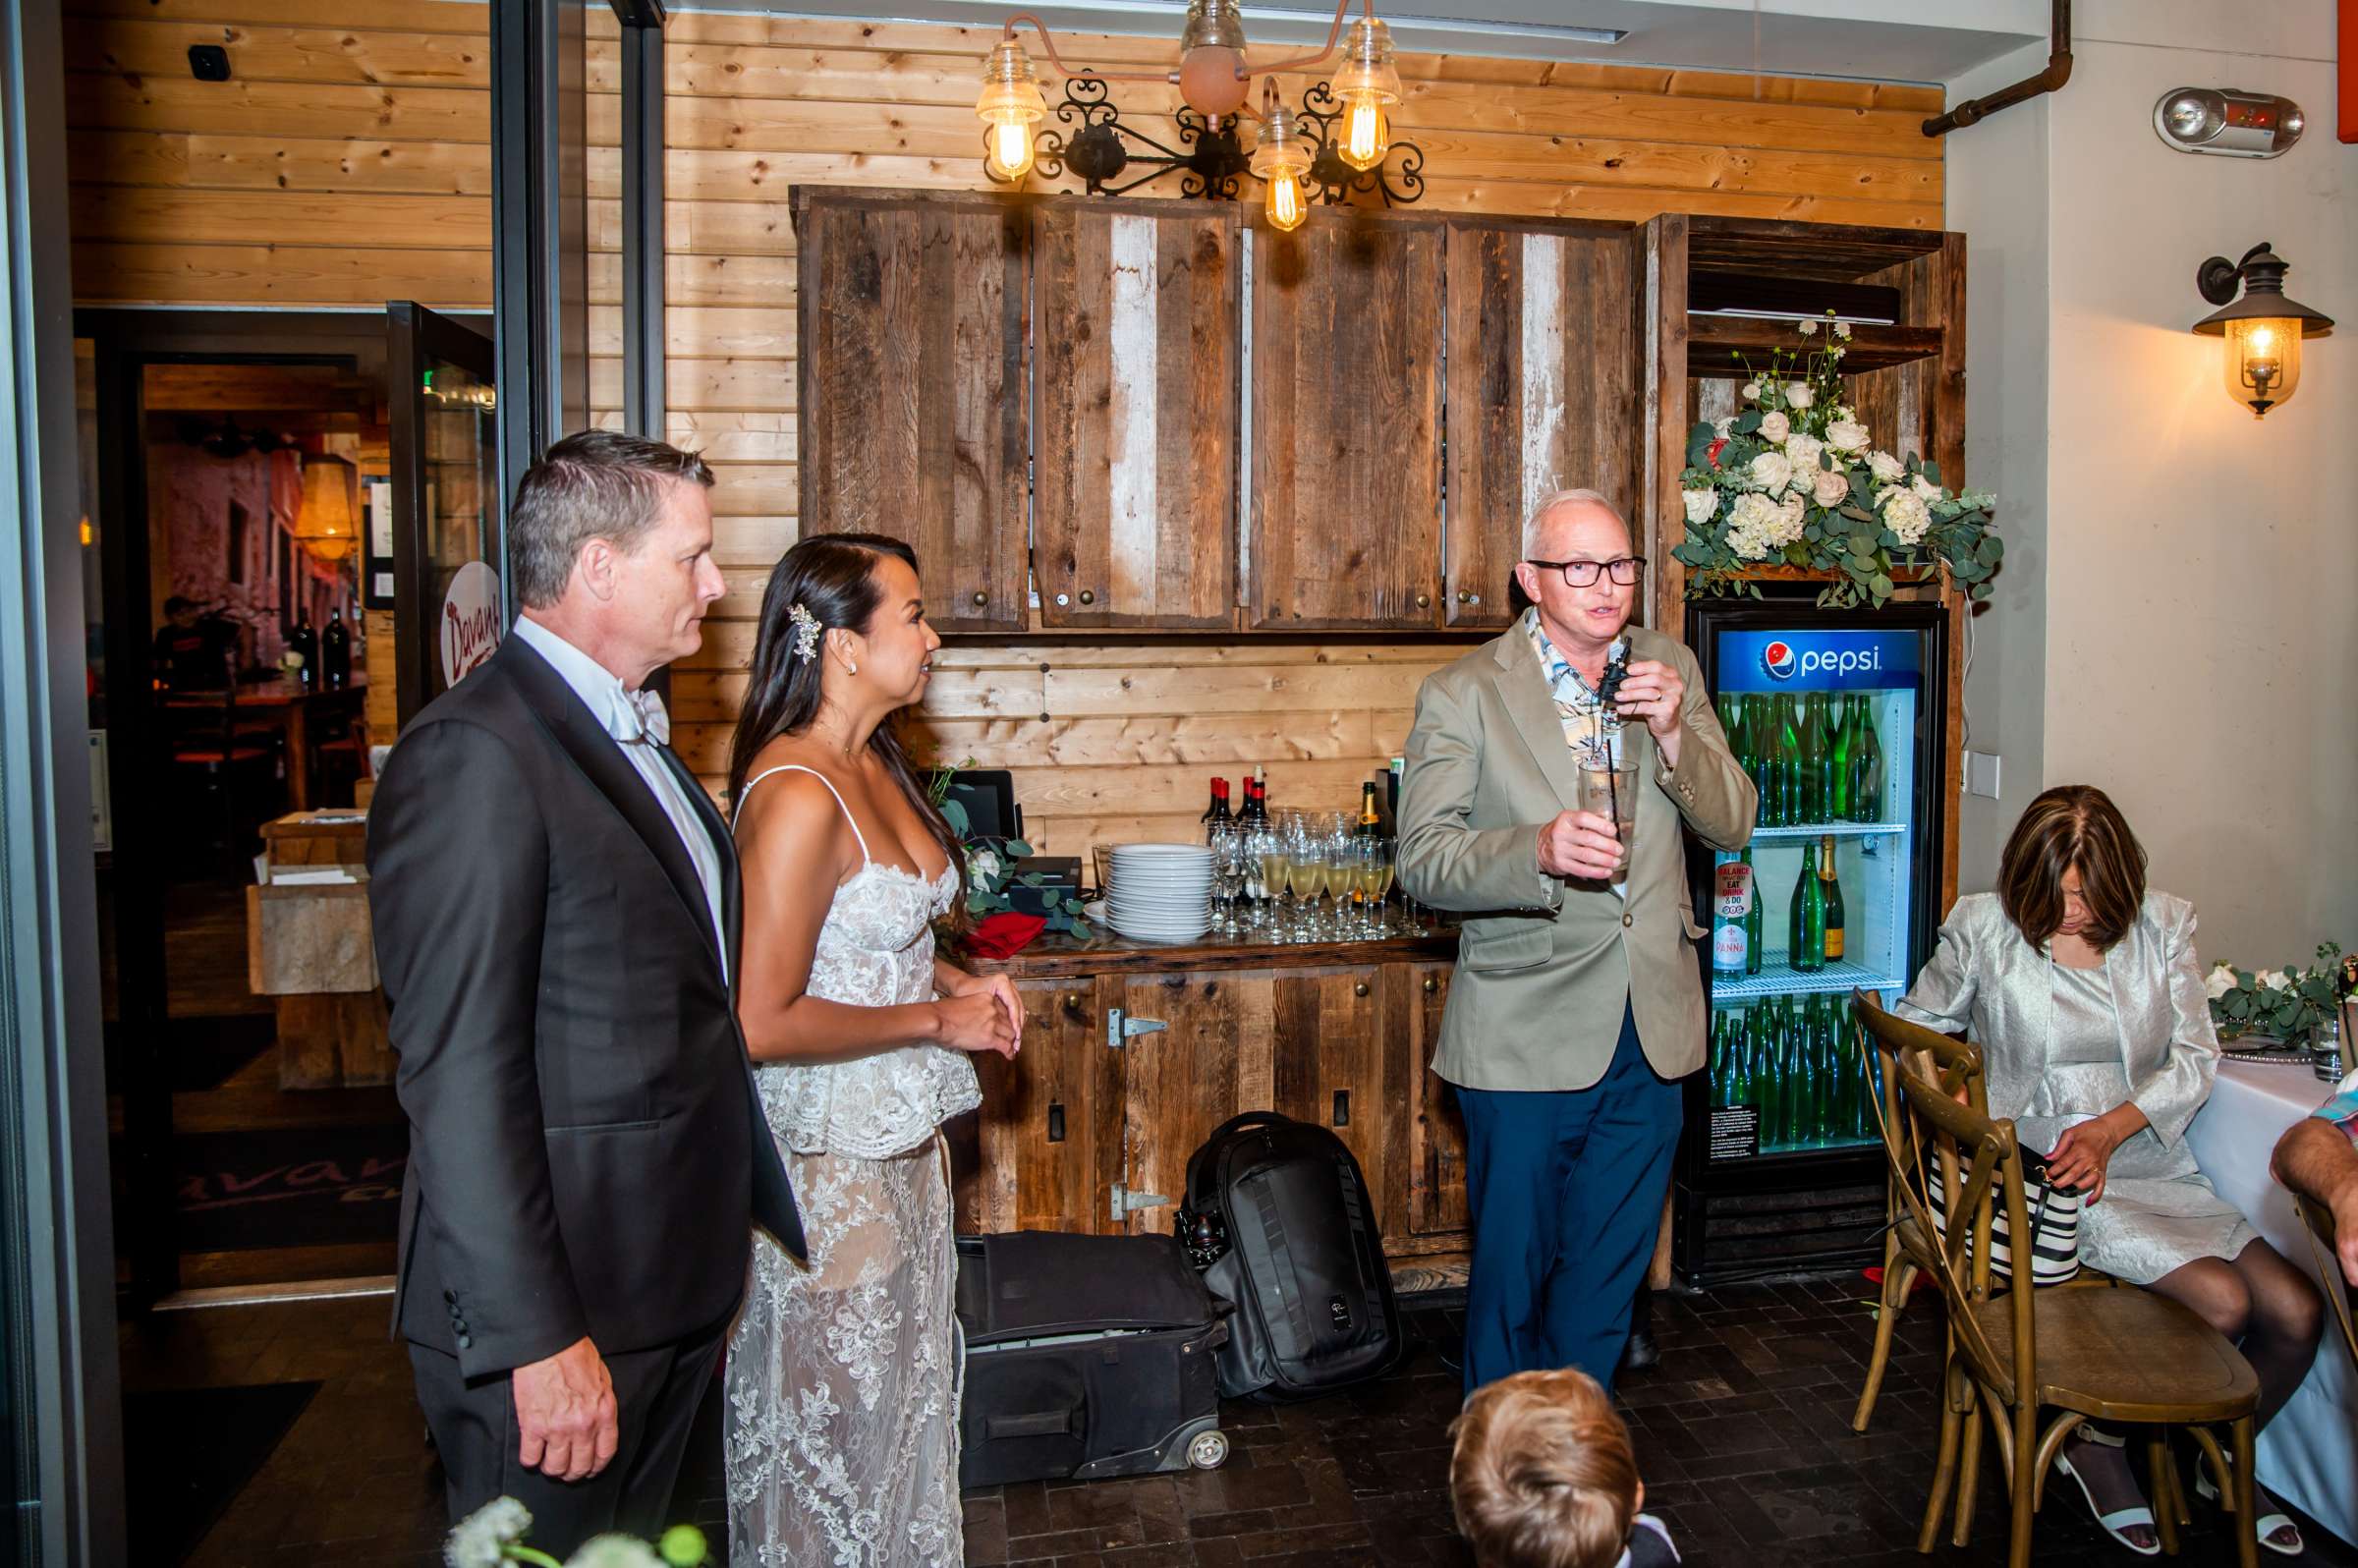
(1778, 660)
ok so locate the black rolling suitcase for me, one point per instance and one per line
(1086, 1357)
(1279, 1217)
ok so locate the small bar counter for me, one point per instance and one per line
(1134, 1051)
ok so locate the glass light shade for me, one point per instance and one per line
(323, 524)
(1368, 83)
(1280, 160)
(1212, 23)
(1010, 105)
(2262, 362)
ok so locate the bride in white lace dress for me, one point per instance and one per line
(843, 1377)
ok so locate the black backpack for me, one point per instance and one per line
(1280, 1220)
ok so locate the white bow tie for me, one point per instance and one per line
(641, 718)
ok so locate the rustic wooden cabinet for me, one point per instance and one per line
(1543, 390)
(911, 387)
(1134, 450)
(1127, 1069)
(1346, 423)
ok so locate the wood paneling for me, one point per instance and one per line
(1435, 1146)
(1346, 423)
(1135, 454)
(372, 127)
(1543, 371)
(1048, 1139)
(913, 310)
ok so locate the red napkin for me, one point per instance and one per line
(1004, 934)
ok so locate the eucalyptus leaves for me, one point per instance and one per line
(1793, 480)
(2285, 1003)
(990, 865)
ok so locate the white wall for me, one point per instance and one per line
(2187, 621)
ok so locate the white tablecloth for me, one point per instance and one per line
(2309, 1454)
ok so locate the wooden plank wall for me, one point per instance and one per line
(347, 163)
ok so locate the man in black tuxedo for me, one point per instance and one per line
(555, 901)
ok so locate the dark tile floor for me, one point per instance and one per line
(1743, 1435)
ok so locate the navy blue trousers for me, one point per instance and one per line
(1565, 1191)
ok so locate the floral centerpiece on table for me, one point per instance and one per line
(2285, 1003)
(493, 1536)
(990, 865)
(1795, 481)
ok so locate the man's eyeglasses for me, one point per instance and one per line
(1583, 573)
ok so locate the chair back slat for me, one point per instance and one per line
(2318, 1220)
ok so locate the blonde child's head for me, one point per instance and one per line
(1542, 1475)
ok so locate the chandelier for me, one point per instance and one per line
(1347, 120)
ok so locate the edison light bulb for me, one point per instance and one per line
(1365, 133)
(1010, 150)
(1286, 202)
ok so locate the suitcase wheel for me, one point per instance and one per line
(1209, 1450)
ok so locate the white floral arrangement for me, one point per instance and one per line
(2281, 1003)
(493, 1535)
(1795, 481)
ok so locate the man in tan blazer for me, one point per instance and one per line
(1578, 999)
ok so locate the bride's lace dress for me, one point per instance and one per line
(842, 1384)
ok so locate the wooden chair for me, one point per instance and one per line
(1959, 1066)
(2123, 1356)
(2319, 1219)
(230, 765)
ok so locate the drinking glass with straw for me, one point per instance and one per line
(1608, 787)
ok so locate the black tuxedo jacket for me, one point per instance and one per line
(587, 1151)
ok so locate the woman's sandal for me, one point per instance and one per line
(2120, 1519)
(2265, 1527)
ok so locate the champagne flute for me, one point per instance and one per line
(1381, 857)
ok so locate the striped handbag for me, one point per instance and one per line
(2055, 1212)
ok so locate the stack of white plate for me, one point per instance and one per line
(1162, 892)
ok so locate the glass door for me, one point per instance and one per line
(449, 544)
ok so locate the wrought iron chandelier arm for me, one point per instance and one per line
(1304, 62)
(1047, 42)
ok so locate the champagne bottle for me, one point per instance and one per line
(1833, 888)
(1865, 769)
(1806, 944)
(1371, 823)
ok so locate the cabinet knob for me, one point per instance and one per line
(1063, 600)
(1359, 990)
(1424, 601)
(1072, 1001)
(1464, 598)
(1087, 598)
(981, 599)
(1432, 983)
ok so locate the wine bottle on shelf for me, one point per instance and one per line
(305, 641)
(335, 649)
(1832, 880)
(1805, 949)
(1218, 812)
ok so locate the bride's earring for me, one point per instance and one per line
(851, 669)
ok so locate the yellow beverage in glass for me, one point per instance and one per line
(1301, 879)
(1384, 879)
(1272, 873)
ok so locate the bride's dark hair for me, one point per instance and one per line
(832, 576)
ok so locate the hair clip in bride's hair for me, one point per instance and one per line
(806, 632)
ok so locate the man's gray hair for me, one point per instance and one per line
(599, 484)
(1557, 500)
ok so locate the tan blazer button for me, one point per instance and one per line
(1626, 921)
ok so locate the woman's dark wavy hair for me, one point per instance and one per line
(2072, 828)
(834, 575)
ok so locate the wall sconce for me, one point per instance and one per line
(2264, 329)
(323, 522)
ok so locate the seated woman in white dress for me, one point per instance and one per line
(841, 1437)
(2083, 992)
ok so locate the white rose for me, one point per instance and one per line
(1752, 391)
(1843, 411)
(1774, 426)
(1831, 489)
(981, 865)
(1700, 505)
(1808, 330)
(1723, 428)
(1905, 516)
(1803, 450)
(1798, 395)
(2219, 982)
(2271, 979)
(1771, 472)
(1926, 490)
(1847, 435)
(1887, 469)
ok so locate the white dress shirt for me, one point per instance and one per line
(614, 708)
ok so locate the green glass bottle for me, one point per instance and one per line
(1754, 754)
(1788, 762)
(1759, 1029)
(1752, 921)
(1866, 767)
(1838, 759)
(1805, 944)
(1812, 757)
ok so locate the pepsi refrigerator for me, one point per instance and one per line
(1780, 1170)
